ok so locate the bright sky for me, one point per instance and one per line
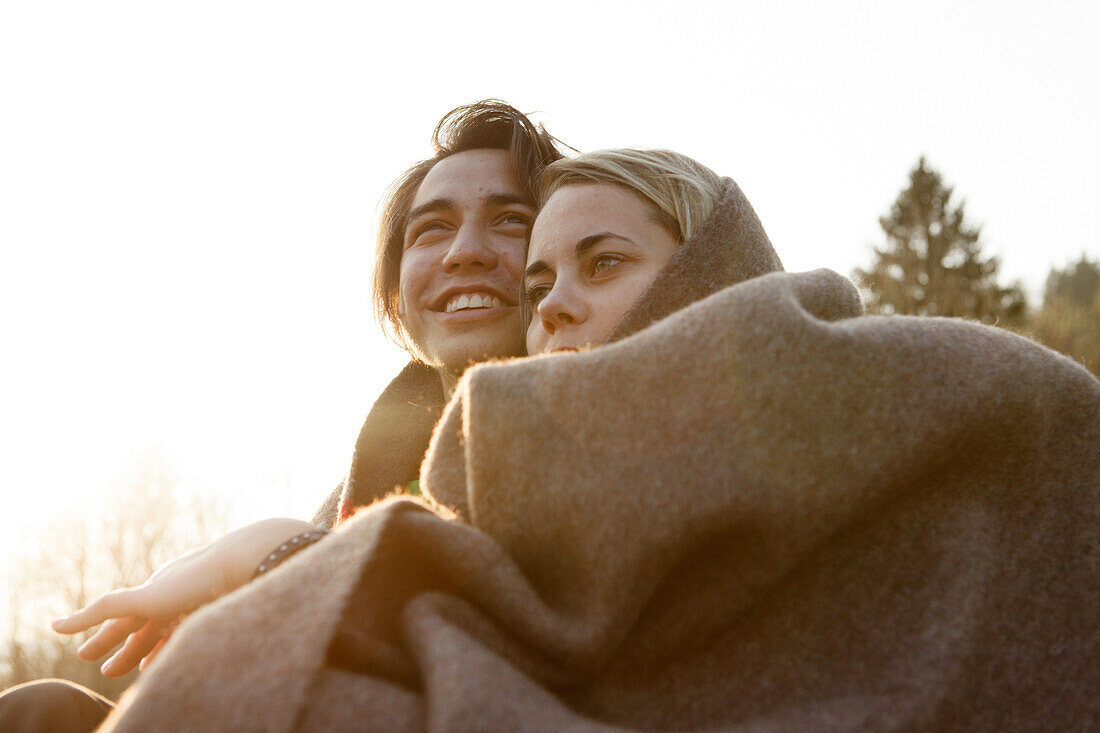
(188, 190)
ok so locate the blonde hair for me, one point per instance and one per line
(681, 191)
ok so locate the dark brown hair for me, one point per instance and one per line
(488, 124)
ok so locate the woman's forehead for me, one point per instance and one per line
(577, 211)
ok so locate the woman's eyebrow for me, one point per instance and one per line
(535, 268)
(583, 246)
(593, 239)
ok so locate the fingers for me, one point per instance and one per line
(137, 646)
(110, 635)
(110, 605)
(172, 626)
(148, 658)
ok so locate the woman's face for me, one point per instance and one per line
(594, 249)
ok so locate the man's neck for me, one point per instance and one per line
(449, 382)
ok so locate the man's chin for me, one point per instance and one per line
(455, 361)
(457, 367)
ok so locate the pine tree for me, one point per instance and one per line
(932, 265)
(1070, 317)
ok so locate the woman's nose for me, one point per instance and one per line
(470, 248)
(561, 307)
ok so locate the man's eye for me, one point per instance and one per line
(426, 232)
(514, 218)
(603, 262)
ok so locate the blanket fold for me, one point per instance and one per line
(764, 512)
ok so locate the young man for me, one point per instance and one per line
(449, 260)
(451, 246)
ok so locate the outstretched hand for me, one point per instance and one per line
(142, 617)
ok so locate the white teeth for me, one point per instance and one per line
(470, 301)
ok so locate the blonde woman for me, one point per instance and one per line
(609, 223)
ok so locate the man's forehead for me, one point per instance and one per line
(472, 176)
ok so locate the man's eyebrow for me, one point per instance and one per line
(440, 204)
(506, 199)
(582, 246)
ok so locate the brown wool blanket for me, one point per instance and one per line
(765, 512)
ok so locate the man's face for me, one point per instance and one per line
(464, 251)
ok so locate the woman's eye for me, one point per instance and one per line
(604, 262)
(535, 295)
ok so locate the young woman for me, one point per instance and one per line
(610, 221)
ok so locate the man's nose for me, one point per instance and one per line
(470, 248)
(561, 307)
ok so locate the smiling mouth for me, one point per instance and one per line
(472, 301)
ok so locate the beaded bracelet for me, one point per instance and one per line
(288, 548)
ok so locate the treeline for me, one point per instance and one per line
(932, 265)
(147, 519)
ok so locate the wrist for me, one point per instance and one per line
(254, 542)
(286, 549)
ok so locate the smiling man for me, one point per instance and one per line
(462, 260)
(448, 266)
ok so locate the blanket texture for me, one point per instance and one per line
(763, 512)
